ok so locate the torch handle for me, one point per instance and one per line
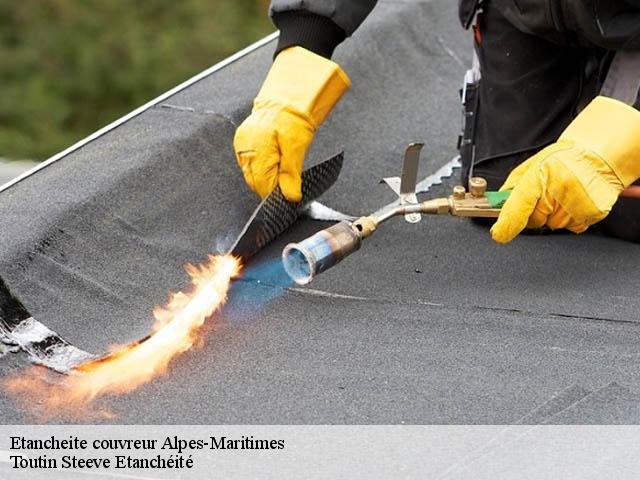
(489, 204)
(631, 192)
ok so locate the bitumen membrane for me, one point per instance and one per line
(428, 323)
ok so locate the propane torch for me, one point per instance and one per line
(306, 259)
(310, 257)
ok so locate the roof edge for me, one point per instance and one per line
(205, 73)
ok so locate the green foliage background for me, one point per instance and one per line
(68, 67)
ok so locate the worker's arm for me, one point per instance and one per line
(299, 92)
(318, 25)
(610, 24)
(575, 182)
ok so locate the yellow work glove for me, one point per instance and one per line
(575, 182)
(299, 93)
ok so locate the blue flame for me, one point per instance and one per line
(261, 283)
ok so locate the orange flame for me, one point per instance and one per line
(131, 366)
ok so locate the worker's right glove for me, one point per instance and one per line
(575, 182)
(299, 93)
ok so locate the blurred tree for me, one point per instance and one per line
(68, 67)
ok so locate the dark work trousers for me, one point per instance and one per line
(531, 89)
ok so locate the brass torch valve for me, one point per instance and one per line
(476, 202)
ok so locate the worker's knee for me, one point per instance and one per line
(623, 221)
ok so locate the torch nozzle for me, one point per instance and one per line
(306, 259)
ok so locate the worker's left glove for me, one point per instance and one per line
(575, 182)
(298, 94)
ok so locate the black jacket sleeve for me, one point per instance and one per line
(318, 25)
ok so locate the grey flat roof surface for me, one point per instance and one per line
(428, 323)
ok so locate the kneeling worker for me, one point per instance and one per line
(555, 98)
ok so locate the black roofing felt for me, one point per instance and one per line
(428, 323)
